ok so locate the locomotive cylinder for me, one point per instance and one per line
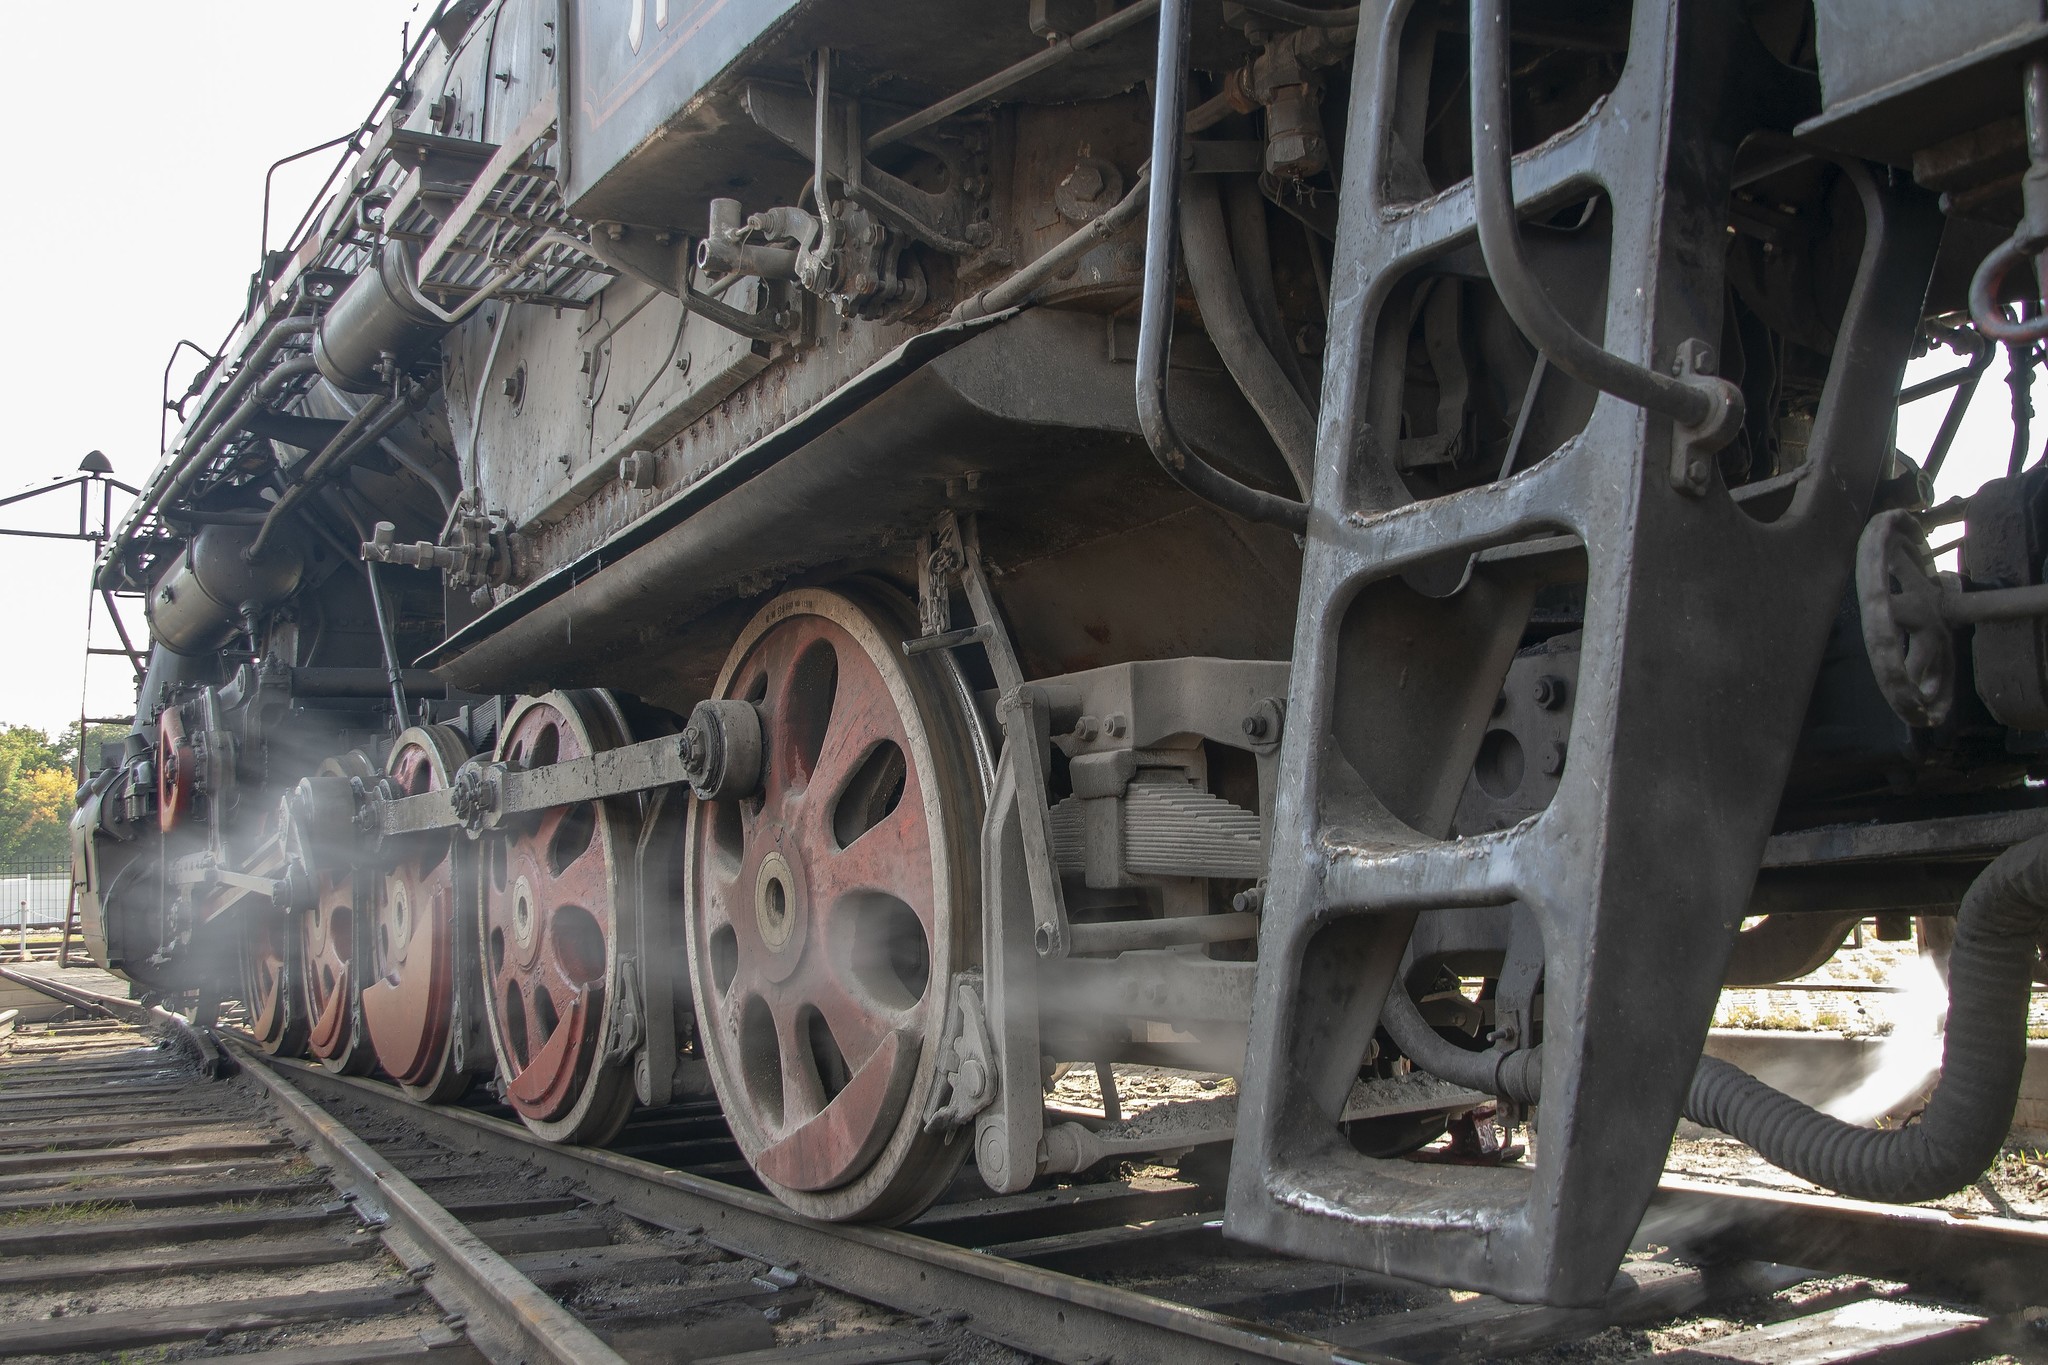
(200, 602)
(381, 314)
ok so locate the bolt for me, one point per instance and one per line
(1115, 726)
(1086, 728)
(1255, 727)
(1553, 758)
(1549, 692)
(1085, 180)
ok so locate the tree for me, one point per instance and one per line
(36, 792)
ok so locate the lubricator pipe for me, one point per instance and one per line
(1228, 319)
(1984, 1054)
(1990, 983)
(1021, 287)
(1155, 320)
(1710, 408)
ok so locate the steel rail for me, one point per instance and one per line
(205, 1048)
(1043, 1312)
(1998, 1262)
(481, 1284)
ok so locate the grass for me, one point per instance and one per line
(85, 1211)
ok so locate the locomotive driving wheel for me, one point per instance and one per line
(270, 966)
(418, 932)
(556, 908)
(830, 907)
(329, 940)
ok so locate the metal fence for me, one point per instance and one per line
(34, 892)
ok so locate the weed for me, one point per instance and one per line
(85, 1210)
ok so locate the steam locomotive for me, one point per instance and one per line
(847, 557)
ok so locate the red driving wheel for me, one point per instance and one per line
(556, 908)
(269, 962)
(417, 945)
(329, 943)
(829, 910)
(176, 767)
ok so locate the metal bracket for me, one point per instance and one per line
(966, 1060)
(1693, 447)
(937, 220)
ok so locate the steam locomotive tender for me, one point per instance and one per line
(849, 556)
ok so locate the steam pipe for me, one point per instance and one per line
(317, 467)
(370, 424)
(1514, 1075)
(394, 674)
(1705, 407)
(1229, 321)
(190, 468)
(1021, 286)
(1155, 321)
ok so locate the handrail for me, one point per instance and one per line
(1707, 408)
(1155, 319)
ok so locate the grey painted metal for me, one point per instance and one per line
(1155, 319)
(1638, 870)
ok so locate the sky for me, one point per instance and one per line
(137, 180)
(136, 176)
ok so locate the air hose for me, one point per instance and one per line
(2003, 916)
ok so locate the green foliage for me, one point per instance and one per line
(36, 789)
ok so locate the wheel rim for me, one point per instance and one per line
(828, 912)
(266, 972)
(409, 996)
(554, 914)
(328, 940)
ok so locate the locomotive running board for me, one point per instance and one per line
(1704, 624)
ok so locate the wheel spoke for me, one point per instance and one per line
(802, 1095)
(894, 858)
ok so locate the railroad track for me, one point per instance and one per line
(480, 1235)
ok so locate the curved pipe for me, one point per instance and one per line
(1985, 313)
(1155, 321)
(1965, 1122)
(1230, 325)
(1982, 1058)
(1514, 1075)
(1251, 251)
(1712, 408)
